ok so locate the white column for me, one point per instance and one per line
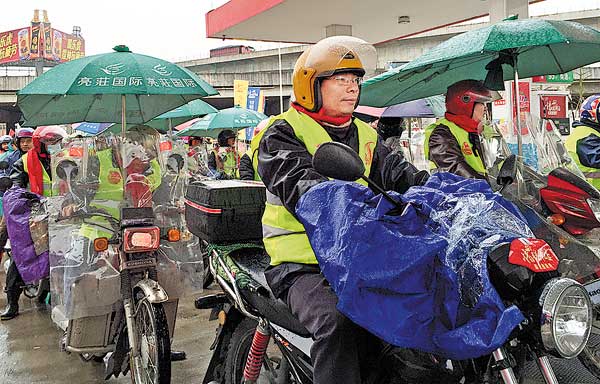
(500, 9)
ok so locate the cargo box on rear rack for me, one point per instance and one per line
(225, 211)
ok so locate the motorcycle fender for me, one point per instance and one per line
(153, 291)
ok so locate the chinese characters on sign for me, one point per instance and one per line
(134, 81)
(8, 46)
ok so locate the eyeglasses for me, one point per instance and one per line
(346, 80)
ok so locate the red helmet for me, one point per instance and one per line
(462, 96)
(50, 134)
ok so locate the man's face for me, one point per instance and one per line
(5, 146)
(340, 93)
(478, 112)
(231, 141)
(195, 142)
(25, 144)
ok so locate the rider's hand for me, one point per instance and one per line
(68, 210)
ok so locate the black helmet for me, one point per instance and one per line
(224, 136)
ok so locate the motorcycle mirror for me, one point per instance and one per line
(3, 164)
(67, 167)
(338, 161)
(175, 163)
(508, 171)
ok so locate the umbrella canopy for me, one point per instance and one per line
(434, 106)
(236, 118)
(179, 115)
(91, 128)
(530, 47)
(200, 128)
(98, 88)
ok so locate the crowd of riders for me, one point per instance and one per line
(326, 87)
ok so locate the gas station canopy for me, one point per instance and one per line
(307, 21)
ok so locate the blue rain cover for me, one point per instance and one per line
(418, 280)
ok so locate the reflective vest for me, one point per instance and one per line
(230, 165)
(284, 236)
(462, 137)
(47, 182)
(591, 174)
(254, 143)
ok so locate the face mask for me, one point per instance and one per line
(54, 148)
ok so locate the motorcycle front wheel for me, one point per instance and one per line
(153, 364)
(590, 356)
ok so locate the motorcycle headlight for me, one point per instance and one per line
(595, 205)
(566, 320)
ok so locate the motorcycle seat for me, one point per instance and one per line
(254, 263)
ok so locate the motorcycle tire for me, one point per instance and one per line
(151, 324)
(237, 354)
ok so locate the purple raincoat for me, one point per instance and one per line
(17, 210)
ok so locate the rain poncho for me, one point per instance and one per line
(418, 280)
(24, 224)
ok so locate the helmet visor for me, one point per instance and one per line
(483, 96)
(339, 53)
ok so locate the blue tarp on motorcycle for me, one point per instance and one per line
(17, 210)
(417, 280)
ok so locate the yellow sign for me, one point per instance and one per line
(240, 92)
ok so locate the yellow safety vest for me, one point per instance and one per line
(284, 236)
(462, 137)
(253, 150)
(47, 182)
(581, 132)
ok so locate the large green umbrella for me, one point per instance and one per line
(503, 51)
(99, 88)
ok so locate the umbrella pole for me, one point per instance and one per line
(123, 118)
(518, 109)
(170, 129)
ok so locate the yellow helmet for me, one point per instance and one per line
(329, 56)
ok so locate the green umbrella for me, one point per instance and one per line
(99, 88)
(179, 115)
(200, 128)
(503, 51)
(236, 118)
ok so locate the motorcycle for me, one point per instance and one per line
(250, 316)
(561, 208)
(116, 278)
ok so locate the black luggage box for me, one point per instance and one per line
(225, 211)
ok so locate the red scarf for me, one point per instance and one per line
(320, 116)
(464, 122)
(34, 168)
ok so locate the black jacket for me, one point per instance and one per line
(285, 166)
(445, 152)
(246, 168)
(21, 178)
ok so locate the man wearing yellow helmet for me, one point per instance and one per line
(326, 82)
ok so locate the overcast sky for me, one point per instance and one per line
(173, 29)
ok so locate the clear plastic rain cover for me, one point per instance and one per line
(95, 177)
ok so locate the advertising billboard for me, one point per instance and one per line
(39, 40)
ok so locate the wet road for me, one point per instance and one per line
(29, 351)
(29, 348)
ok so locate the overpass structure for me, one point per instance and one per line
(261, 68)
